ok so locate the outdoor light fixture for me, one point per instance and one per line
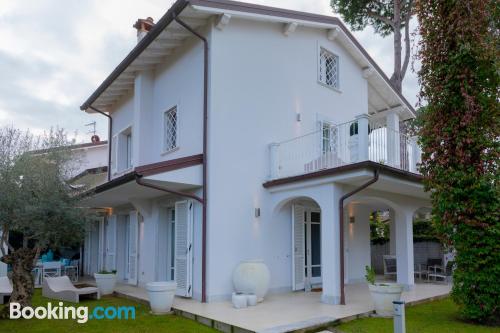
(351, 219)
(299, 118)
(257, 212)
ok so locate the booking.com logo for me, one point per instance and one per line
(80, 313)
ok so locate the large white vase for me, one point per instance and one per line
(383, 294)
(252, 277)
(161, 296)
(105, 283)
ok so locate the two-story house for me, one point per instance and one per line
(244, 132)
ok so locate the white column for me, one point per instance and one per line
(416, 154)
(404, 247)
(330, 252)
(362, 137)
(392, 233)
(393, 154)
(143, 111)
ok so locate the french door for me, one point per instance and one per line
(312, 232)
(306, 239)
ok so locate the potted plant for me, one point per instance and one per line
(105, 281)
(383, 294)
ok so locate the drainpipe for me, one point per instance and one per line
(205, 159)
(138, 180)
(110, 129)
(341, 225)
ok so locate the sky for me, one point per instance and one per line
(55, 53)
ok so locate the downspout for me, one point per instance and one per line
(205, 159)
(341, 225)
(110, 130)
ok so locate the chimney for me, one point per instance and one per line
(143, 26)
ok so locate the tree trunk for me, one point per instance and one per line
(22, 262)
(396, 76)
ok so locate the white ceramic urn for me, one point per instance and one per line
(252, 277)
(105, 283)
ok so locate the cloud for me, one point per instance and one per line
(54, 53)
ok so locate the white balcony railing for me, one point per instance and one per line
(337, 145)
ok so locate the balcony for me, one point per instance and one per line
(378, 140)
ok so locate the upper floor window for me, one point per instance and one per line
(121, 151)
(328, 69)
(170, 129)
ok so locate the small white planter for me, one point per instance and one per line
(383, 294)
(251, 300)
(239, 300)
(161, 296)
(105, 283)
(252, 277)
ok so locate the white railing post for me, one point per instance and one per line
(274, 160)
(363, 140)
(393, 147)
(416, 154)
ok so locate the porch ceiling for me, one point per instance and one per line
(130, 190)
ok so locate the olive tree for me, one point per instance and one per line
(35, 202)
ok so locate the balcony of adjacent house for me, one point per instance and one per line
(365, 138)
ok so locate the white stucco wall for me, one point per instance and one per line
(357, 242)
(260, 80)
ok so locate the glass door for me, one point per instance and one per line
(312, 232)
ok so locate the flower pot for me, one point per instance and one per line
(251, 300)
(252, 277)
(105, 283)
(383, 294)
(161, 296)
(239, 300)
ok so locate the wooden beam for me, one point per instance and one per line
(222, 21)
(290, 28)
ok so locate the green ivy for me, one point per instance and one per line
(459, 134)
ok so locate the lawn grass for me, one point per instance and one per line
(143, 322)
(434, 317)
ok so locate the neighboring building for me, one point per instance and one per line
(296, 115)
(90, 167)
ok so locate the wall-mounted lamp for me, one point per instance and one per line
(351, 219)
(299, 117)
(257, 212)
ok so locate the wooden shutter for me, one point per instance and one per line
(102, 245)
(184, 247)
(298, 247)
(111, 243)
(132, 247)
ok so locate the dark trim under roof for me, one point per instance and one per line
(384, 169)
(148, 170)
(91, 171)
(179, 6)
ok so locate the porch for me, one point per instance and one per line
(285, 312)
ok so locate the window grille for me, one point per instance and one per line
(170, 121)
(329, 69)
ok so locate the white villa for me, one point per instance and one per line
(243, 132)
